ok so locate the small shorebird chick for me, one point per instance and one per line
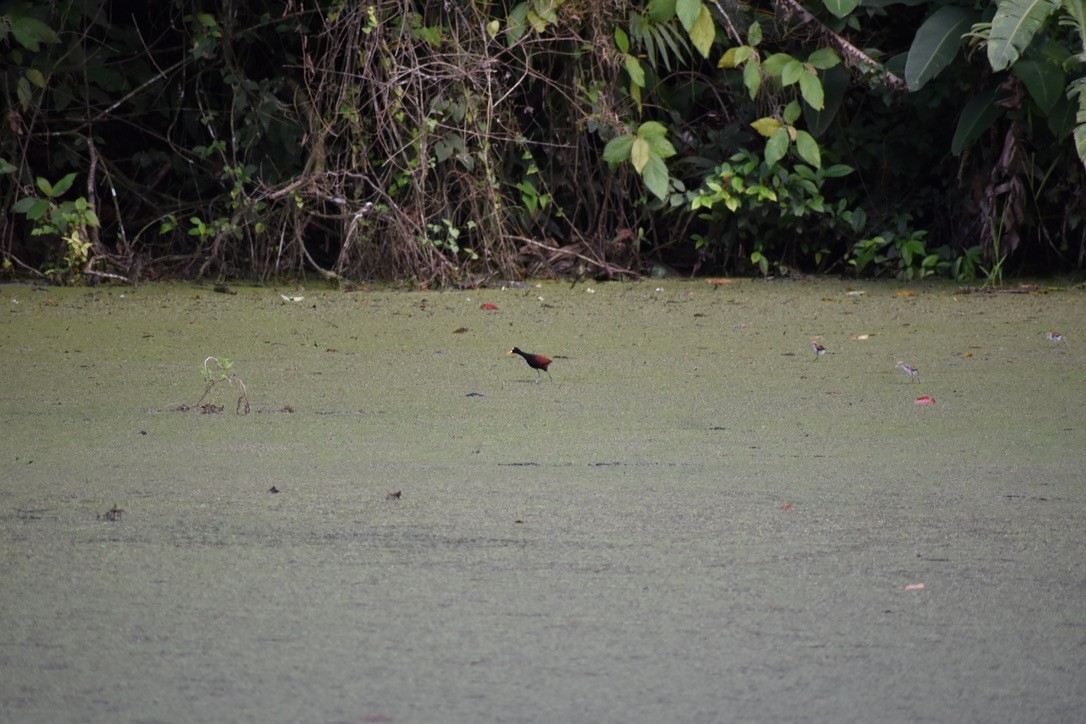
(819, 350)
(909, 370)
(1054, 337)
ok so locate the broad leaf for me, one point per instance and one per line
(617, 149)
(791, 72)
(31, 32)
(776, 146)
(661, 147)
(622, 40)
(702, 32)
(655, 134)
(791, 112)
(936, 43)
(837, 170)
(1079, 88)
(655, 176)
(977, 117)
(774, 64)
(766, 126)
(823, 59)
(661, 11)
(808, 149)
(754, 35)
(1044, 81)
(637, 73)
(1013, 27)
(688, 11)
(841, 8)
(639, 154)
(23, 205)
(652, 129)
(835, 82)
(63, 185)
(735, 57)
(752, 78)
(810, 87)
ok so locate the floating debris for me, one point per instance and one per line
(911, 371)
(112, 515)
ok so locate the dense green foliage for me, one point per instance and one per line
(456, 142)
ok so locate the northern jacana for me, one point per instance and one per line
(535, 361)
(909, 370)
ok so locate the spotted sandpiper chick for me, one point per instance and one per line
(819, 350)
(911, 371)
(1054, 337)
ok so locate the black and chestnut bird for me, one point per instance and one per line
(535, 361)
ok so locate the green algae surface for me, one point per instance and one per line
(696, 520)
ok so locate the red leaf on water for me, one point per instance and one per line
(913, 587)
(489, 307)
(925, 400)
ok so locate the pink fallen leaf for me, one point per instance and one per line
(489, 307)
(913, 587)
(925, 400)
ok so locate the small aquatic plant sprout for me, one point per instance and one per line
(218, 370)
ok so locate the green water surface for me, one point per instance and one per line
(695, 520)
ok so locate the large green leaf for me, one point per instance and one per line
(977, 117)
(810, 87)
(635, 71)
(660, 11)
(655, 176)
(688, 12)
(808, 149)
(823, 59)
(1013, 27)
(777, 146)
(752, 78)
(655, 134)
(1044, 81)
(1079, 88)
(835, 82)
(31, 32)
(702, 32)
(841, 8)
(640, 153)
(936, 43)
(618, 149)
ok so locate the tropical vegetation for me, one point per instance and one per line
(462, 142)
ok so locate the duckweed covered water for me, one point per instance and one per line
(698, 520)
